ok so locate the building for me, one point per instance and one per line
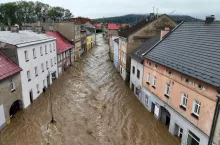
(112, 34)
(37, 56)
(180, 80)
(116, 45)
(83, 40)
(92, 29)
(89, 41)
(136, 35)
(10, 89)
(64, 51)
(82, 20)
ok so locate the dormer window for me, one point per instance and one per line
(187, 80)
(169, 73)
(200, 86)
(149, 63)
(155, 66)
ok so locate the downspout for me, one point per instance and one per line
(215, 118)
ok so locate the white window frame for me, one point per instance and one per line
(154, 80)
(148, 78)
(198, 103)
(12, 85)
(53, 46)
(42, 67)
(36, 71)
(28, 75)
(37, 86)
(167, 89)
(45, 49)
(41, 51)
(34, 53)
(26, 55)
(184, 100)
(146, 100)
(47, 65)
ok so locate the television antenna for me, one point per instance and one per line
(173, 11)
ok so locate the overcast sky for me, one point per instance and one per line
(108, 8)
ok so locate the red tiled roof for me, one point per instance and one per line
(98, 25)
(114, 26)
(7, 67)
(62, 43)
(82, 20)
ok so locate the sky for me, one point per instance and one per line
(109, 8)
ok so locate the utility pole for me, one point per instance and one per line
(51, 104)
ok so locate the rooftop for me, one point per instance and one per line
(192, 48)
(61, 42)
(7, 67)
(114, 26)
(22, 37)
(137, 53)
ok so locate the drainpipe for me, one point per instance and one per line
(215, 118)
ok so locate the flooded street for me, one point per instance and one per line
(92, 106)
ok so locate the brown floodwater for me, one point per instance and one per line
(92, 106)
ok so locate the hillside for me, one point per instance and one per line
(134, 18)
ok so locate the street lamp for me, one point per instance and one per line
(51, 104)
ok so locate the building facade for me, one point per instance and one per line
(37, 56)
(64, 51)
(174, 86)
(89, 41)
(83, 40)
(10, 90)
(77, 40)
(133, 37)
(116, 43)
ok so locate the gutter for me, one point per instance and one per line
(215, 118)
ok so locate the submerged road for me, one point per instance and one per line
(92, 106)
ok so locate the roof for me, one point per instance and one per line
(82, 20)
(22, 38)
(114, 26)
(137, 53)
(62, 43)
(7, 67)
(89, 25)
(98, 25)
(88, 32)
(193, 49)
(137, 26)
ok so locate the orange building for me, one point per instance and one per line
(180, 80)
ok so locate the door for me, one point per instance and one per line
(2, 115)
(48, 80)
(31, 96)
(132, 87)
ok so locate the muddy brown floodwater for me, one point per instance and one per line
(92, 106)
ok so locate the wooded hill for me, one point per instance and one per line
(134, 18)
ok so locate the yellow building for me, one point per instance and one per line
(89, 40)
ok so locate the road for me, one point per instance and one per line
(92, 106)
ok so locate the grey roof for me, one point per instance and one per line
(137, 53)
(22, 37)
(88, 32)
(193, 48)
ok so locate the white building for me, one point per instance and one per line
(36, 55)
(137, 67)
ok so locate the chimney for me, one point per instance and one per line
(209, 19)
(14, 29)
(164, 32)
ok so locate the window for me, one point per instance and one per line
(36, 72)
(41, 51)
(192, 139)
(64, 55)
(58, 58)
(34, 53)
(53, 46)
(167, 90)
(187, 80)
(26, 55)
(184, 98)
(155, 66)
(138, 73)
(148, 78)
(196, 107)
(47, 65)
(37, 86)
(133, 70)
(51, 61)
(61, 56)
(42, 67)
(28, 76)
(149, 63)
(55, 61)
(45, 49)
(180, 132)
(200, 86)
(146, 100)
(50, 48)
(154, 82)
(12, 85)
(169, 73)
